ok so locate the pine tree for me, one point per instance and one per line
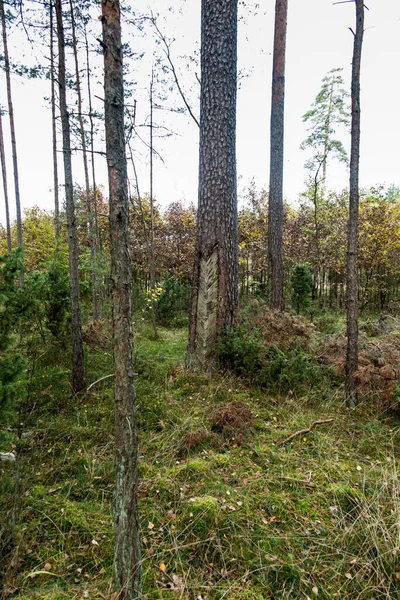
(127, 564)
(275, 202)
(352, 239)
(215, 279)
(78, 369)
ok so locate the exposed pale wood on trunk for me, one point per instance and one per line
(217, 230)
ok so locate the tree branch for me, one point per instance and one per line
(303, 431)
(172, 66)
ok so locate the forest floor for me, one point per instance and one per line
(229, 507)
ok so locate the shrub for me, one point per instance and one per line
(301, 283)
(271, 349)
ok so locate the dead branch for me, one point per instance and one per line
(303, 431)
(167, 51)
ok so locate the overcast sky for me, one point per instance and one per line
(318, 40)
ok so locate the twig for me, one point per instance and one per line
(98, 380)
(170, 579)
(303, 431)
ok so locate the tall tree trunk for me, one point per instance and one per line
(352, 239)
(92, 242)
(54, 130)
(78, 369)
(215, 277)
(12, 124)
(5, 186)
(275, 201)
(126, 522)
(152, 253)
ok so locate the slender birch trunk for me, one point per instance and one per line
(78, 369)
(127, 562)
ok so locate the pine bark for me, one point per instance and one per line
(127, 562)
(78, 370)
(5, 186)
(352, 239)
(275, 201)
(215, 277)
(12, 123)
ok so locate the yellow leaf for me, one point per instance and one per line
(163, 568)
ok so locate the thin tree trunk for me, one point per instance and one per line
(5, 186)
(352, 240)
(92, 154)
(78, 369)
(127, 564)
(215, 277)
(152, 254)
(12, 124)
(54, 130)
(275, 201)
(92, 242)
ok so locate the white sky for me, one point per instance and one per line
(318, 40)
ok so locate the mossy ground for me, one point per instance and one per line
(317, 517)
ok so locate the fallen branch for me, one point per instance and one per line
(98, 381)
(303, 431)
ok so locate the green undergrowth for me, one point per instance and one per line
(227, 512)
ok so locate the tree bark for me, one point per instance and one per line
(12, 123)
(215, 277)
(92, 242)
(78, 369)
(275, 201)
(5, 186)
(54, 130)
(352, 239)
(127, 564)
(152, 254)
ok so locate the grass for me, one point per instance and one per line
(233, 517)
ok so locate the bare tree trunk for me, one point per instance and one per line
(12, 124)
(215, 277)
(152, 255)
(127, 565)
(54, 129)
(85, 168)
(78, 369)
(275, 201)
(352, 240)
(96, 224)
(5, 186)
